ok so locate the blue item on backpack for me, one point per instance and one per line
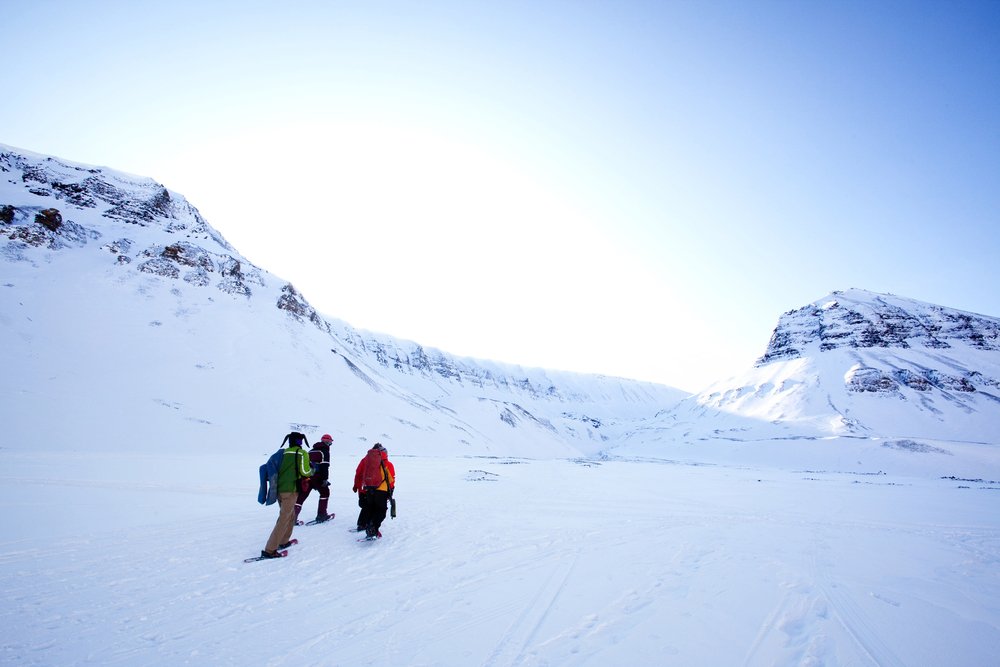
(268, 493)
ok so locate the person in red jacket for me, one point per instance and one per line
(374, 482)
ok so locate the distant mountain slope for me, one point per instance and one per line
(123, 310)
(856, 364)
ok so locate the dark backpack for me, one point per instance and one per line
(373, 476)
(319, 457)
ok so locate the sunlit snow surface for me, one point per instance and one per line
(133, 557)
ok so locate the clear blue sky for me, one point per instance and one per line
(631, 188)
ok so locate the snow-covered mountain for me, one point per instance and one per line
(121, 302)
(116, 292)
(909, 375)
(873, 364)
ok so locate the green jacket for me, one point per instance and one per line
(294, 466)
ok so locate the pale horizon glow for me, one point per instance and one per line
(634, 189)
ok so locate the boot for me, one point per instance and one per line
(298, 508)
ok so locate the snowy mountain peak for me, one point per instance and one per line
(861, 364)
(859, 319)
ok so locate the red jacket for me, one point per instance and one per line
(359, 474)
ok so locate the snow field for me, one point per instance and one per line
(497, 561)
(134, 411)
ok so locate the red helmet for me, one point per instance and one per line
(326, 438)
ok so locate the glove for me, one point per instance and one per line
(354, 489)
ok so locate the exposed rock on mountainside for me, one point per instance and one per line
(49, 218)
(293, 303)
(136, 202)
(882, 321)
(42, 228)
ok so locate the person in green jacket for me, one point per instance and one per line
(294, 468)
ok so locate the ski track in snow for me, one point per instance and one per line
(799, 627)
(522, 632)
(846, 610)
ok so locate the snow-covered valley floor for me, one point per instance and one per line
(129, 558)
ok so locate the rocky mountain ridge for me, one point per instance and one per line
(133, 231)
(874, 321)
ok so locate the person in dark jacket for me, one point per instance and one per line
(319, 459)
(374, 482)
(294, 467)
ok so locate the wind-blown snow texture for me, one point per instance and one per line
(837, 504)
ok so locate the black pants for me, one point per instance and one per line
(363, 514)
(373, 510)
